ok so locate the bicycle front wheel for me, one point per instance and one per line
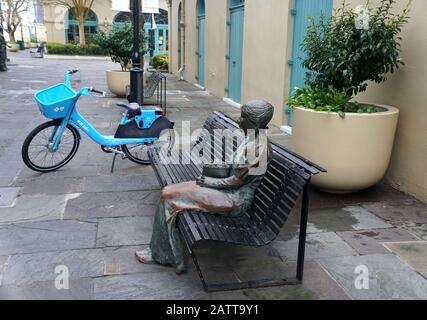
(37, 151)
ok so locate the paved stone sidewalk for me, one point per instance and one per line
(91, 221)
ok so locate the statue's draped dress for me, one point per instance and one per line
(232, 196)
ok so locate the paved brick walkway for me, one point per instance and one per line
(91, 221)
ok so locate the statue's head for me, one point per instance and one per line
(256, 115)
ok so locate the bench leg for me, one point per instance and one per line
(303, 233)
(199, 271)
(264, 283)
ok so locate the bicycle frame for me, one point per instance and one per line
(75, 119)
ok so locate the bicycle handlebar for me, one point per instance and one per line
(72, 71)
(102, 93)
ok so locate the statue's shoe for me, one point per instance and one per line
(144, 256)
(179, 270)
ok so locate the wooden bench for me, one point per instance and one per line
(40, 51)
(287, 177)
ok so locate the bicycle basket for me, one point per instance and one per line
(55, 102)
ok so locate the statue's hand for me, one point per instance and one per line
(200, 181)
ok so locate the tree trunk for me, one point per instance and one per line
(82, 36)
(11, 35)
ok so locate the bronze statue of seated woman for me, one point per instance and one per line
(225, 189)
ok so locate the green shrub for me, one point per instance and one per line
(355, 46)
(118, 44)
(160, 61)
(74, 49)
(329, 100)
(345, 52)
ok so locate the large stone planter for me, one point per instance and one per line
(117, 82)
(356, 150)
(33, 45)
(13, 47)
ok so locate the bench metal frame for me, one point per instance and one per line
(39, 53)
(156, 85)
(250, 229)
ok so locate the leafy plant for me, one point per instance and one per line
(355, 46)
(118, 43)
(160, 61)
(329, 100)
(74, 49)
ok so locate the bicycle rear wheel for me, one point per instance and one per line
(37, 152)
(138, 153)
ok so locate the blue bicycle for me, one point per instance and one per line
(53, 144)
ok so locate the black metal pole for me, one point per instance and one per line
(152, 38)
(303, 232)
(136, 72)
(1, 18)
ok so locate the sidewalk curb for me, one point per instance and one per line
(70, 57)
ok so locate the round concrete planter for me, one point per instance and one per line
(356, 150)
(33, 45)
(117, 82)
(27, 45)
(14, 47)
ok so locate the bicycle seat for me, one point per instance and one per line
(133, 108)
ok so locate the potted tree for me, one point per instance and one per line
(353, 141)
(12, 46)
(118, 43)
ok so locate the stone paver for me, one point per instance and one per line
(413, 253)
(53, 185)
(419, 230)
(120, 183)
(365, 219)
(372, 241)
(81, 289)
(396, 213)
(318, 246)
(30, 237)
(337, 220)
(150, 286)
(112, 204)
(8, 196)
(92, 221)
(389, 277)
(40, 267)
(36, 207)
(121, 261)
(124, 231)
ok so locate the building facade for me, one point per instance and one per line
(251, 49)
(32, 27)
(62, 26)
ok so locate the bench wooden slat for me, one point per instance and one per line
(190, 228)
